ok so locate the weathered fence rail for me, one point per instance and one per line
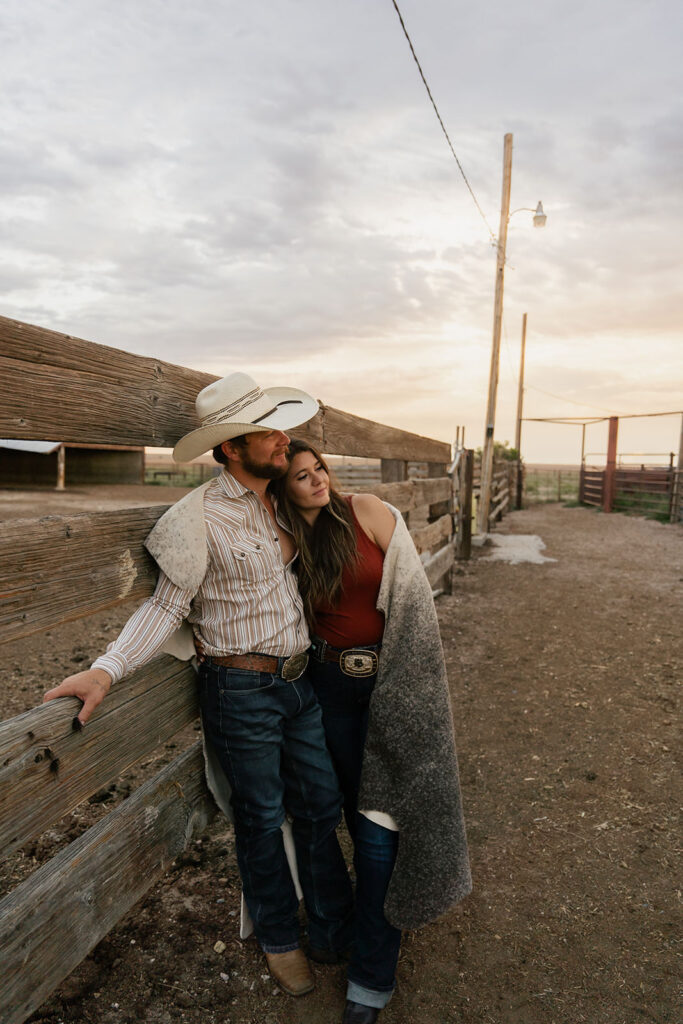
(503, 488)
(60, 568)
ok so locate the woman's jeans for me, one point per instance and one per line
(345, 702)
(268, 736)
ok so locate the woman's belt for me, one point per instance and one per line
(353, 661)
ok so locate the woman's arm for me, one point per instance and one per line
(375, 518)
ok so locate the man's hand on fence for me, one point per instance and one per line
(91, 687)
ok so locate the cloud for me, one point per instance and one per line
(224, 184)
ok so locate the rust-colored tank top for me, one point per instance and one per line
(355, 621)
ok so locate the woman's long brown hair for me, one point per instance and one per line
(326, 548)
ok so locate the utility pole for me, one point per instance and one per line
(518, 432)
(487, 451)
(677, 488)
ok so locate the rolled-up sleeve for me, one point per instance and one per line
(147, 630)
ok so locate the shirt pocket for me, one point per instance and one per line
(251, 561)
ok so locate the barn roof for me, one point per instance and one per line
(40, 447)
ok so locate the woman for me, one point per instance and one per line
(377, 668)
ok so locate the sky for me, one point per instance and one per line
(265, 187)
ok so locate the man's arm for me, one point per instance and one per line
(141, 638)
(91, 686)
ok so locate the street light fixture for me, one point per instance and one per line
(539, 217)
(487, 450)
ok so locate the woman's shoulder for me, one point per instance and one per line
(376, 519)
(364, 501)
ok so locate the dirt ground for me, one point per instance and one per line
(563, 683)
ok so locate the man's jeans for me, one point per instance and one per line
(345, 703)
(269, 738)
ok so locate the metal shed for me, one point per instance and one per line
(59, 464)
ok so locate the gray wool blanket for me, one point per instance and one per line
(410, 768)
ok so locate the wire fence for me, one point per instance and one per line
(543, 484)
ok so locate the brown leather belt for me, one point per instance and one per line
(289, 668)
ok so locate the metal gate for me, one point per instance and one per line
(591, 486)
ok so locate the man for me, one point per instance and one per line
(226, 565)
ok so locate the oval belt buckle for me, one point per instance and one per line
(294, 667)
(357, 662)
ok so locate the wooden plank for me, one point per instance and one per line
(312, 432)
(411, 494)
(57, 916)
(426, 537)
(57, 387)
(346, 434)
(500, 507)
(59, 568)
(47, 768)
(439, 564)
(429, 492)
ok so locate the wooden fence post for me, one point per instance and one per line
(394, 470)
(608, 492)
(61, 468)
(519, 483)
(677, 483)
(463, 548)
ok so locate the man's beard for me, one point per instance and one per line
(262, 470)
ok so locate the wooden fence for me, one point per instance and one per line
(503, 489)
(62, 568)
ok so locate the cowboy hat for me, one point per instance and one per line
(236, 405)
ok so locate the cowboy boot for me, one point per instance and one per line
(358, 1013)
(291, 971)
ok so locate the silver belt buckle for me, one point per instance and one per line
(294, 667)
(357, 662)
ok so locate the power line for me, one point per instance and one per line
(596, 419)
(443, 127)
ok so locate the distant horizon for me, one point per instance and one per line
(165, 455)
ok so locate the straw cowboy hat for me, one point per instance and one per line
(236, 405)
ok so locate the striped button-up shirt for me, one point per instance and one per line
(247, 601)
